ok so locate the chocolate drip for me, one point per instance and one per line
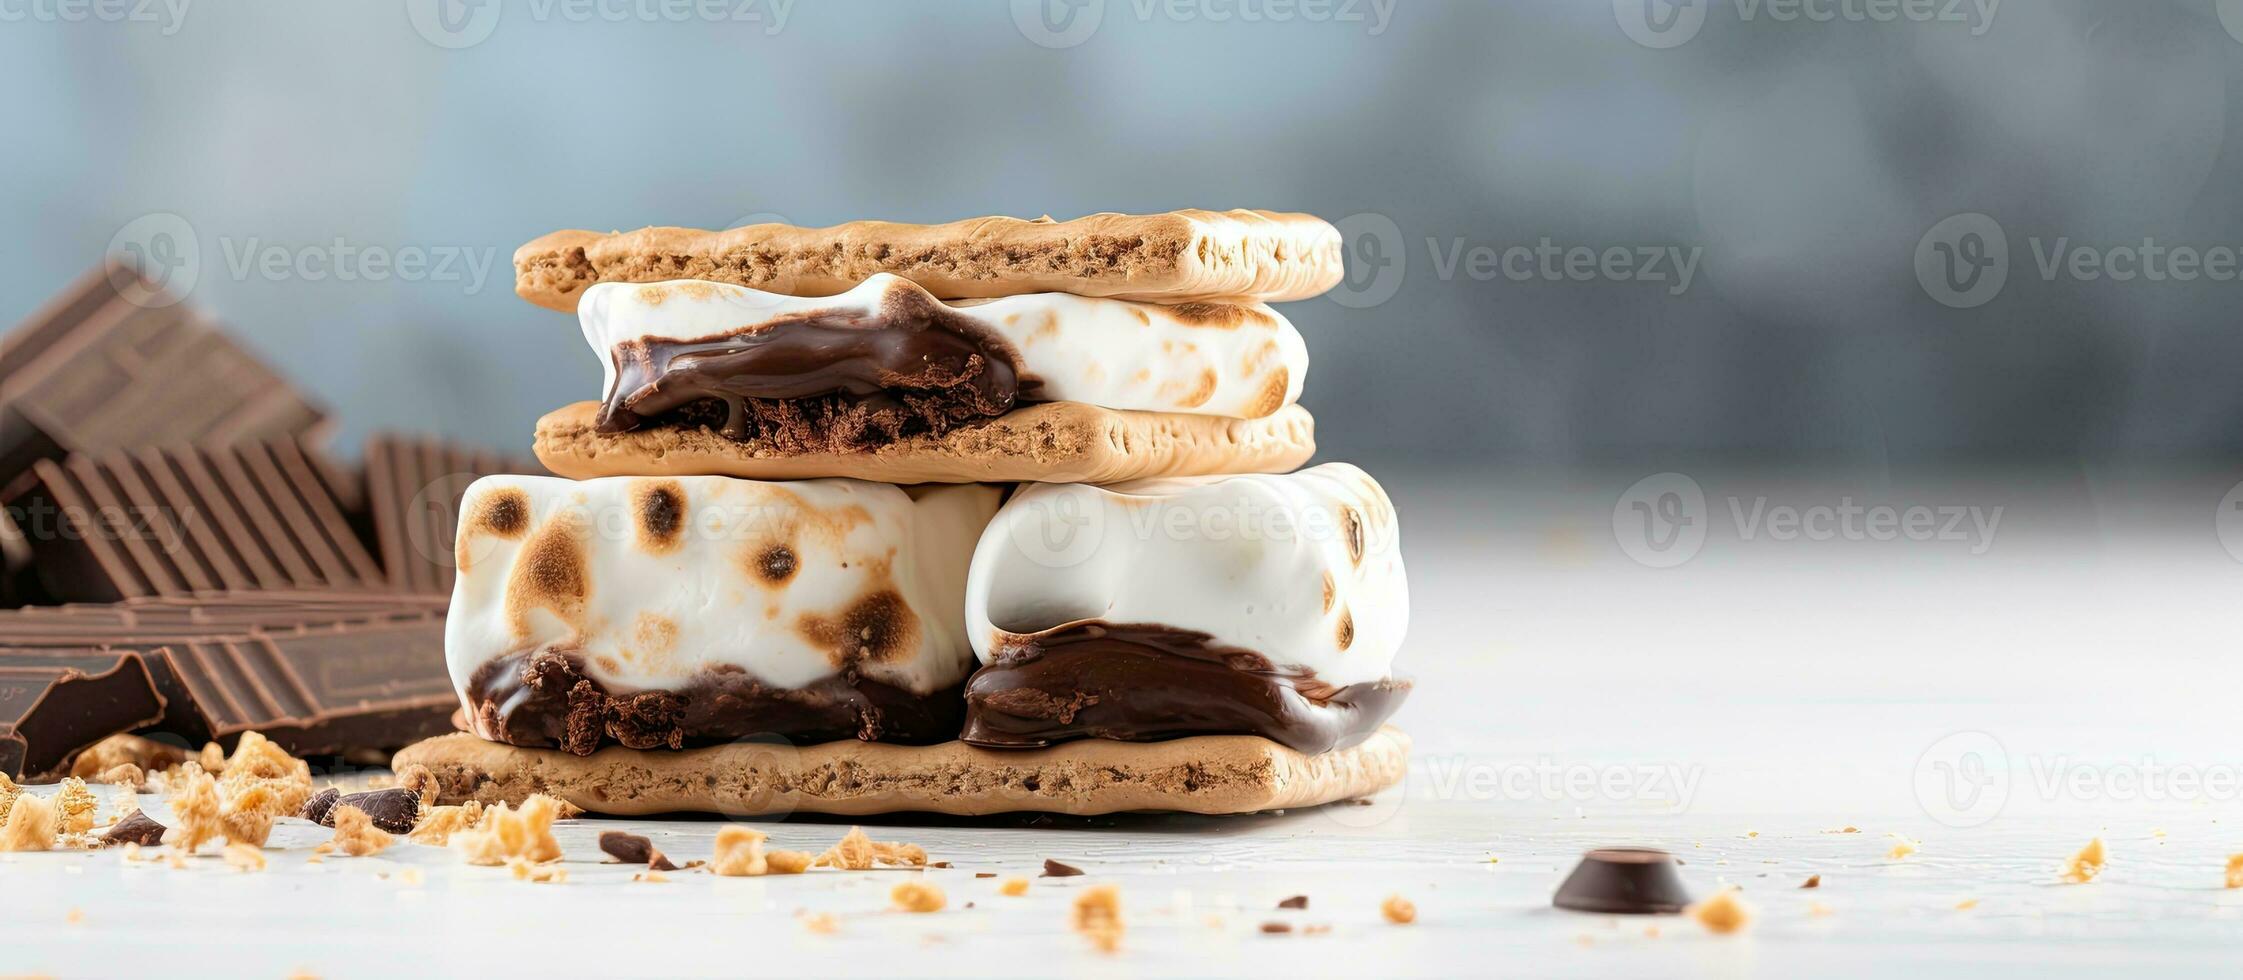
(820, 382)
(543, 699)
(1147, 682)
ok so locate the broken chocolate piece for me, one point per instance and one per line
(1624, 881)
(1295, 902)
(136, 828)
(634, 849)
(320, 809)
(395, 810)
(1054, 869)
(54, 702)
(1146, 682)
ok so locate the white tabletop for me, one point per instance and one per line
(2075, 679)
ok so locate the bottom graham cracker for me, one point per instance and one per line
(1212, 774)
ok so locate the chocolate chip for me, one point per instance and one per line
(1054, 869)
(634, 849)
(1275, 928)
(321, 809)
(136, 828)
(1296, 902)
(395, 810)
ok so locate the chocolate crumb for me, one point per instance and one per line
(1296, 902)
(1277, 928)
(1813, 881)
(1054, 869)
(395, 810)
(939, 864)
(321, 809)
(136, 828)
(634, 849)
(985, 874)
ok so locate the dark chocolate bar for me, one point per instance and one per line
(54, 702)
(183, 520)
(413, 488)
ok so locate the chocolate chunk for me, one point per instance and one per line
(634, 849)
(1624, 881)
(1277, 928)
(1296, 902)
(136, 828)
(56, 701)
(413, 491)
(320, 809)
(1054, 869)
(1147, 682)
(395, 810)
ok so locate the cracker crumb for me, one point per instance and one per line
(438, 826)
(144, 754)
(122, 774)
(1902, 847)
(420, 780)
(247, 817)
(1723, 913)
(739, 853)
(1017, 887)
(1848, 829)
(504, 834)
(1098, 917)
(175, 861)
(1813, 881)
(76, 806)
(245, 857)
(1819, 910)
(2235, 871)
(259, 762)
(787, 862)
(32, 825)
(9, 791)
(857, 852)
(1966, 905)
(542, 874)
(355, 833)
(916, 896)
(1398, 910)
(410, 876)
(821, 923)
(653, 877)
(2084, 866)
(75, 916)
(1650, 932)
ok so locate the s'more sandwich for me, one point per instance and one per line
(1101, 349)
(981, 517)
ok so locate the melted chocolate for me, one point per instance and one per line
(820, 382)
(1146, 682)
(542, 699)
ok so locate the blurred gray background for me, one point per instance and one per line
(1797, 157)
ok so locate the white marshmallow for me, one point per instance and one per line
(787, 581)
(1304, 569)
(1201, 359)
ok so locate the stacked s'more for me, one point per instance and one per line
(977, 517)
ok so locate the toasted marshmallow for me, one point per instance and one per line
(652, 580)
(1304, 569)
(1243, 361)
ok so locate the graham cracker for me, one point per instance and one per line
(1177, 257)
(1052, 442)
(1210, 774)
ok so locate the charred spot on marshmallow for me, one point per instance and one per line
(1346, 632)
(1331, 590)
(1272, 396)
(549, 574)
(504, 512)
(775, 565)
(660, 510)
(876, 628)
(1221, 316)
(1351, 524)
